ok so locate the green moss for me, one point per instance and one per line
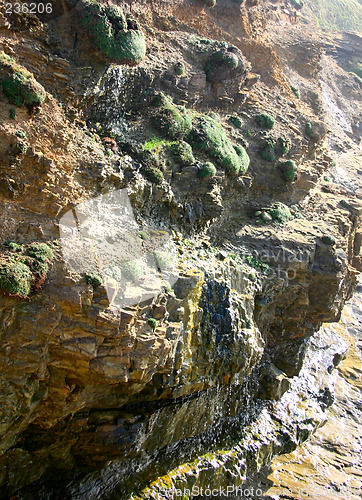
(41, 252)
(295, 91)
(118, 39)
(280, 212)
(182, 153)
(290, 170)
(267, 151)
(152, 323)
(236, 121)
(284, 145)
(23, 90)
(131, 270)
(308, 129)
(153, 174)
(209, 136)
(12, 113)
(207, 170)
(15, 277)
(94, 279)
(265, 121)
(13, 246)
(171, 120)
(179, 68)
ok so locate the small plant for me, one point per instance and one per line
(248, 133)
(13, 246)
(280, 212)
(179, 68)
(41, 252)
(327, 178)
(153, 174)
(152, 323)
(308, 129)
(295, 91)
(207, 170)
(267, 151)
(15, 277)
(236, 121)
(131, 270)
(283, 145)
(12, 113)
(163, 260)
(290, 170)
(265, 121)
(94, 279)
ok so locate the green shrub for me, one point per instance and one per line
(118, 39)
(23, 90)
(153, 174)
(280, 212)
(209, 136)
(290, 170)
(153, 323)
(41, 252)
(131, 270)
(207, 170)
(171, 120)
(182, 153)
(265, 121)
(308, 129)
(94, 279)
(179, 68)
(15, 277)
(13, 246)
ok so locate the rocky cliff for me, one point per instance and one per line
(235, 134)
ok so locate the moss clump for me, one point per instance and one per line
(12, 113)
(15, 277)
(41, 252)
(280, 212)
(182, 153)
(153, 174)
(290, 170)
(267, 150)
(20, 87)
(118, 39)
(209, 136)
(284, 145)
(265, 121)
(163, 260)
(328, 240)
(179, 68)
(207, 170)
(171, 120)
(236, 121)
(308, 129)
(152, 323)
(295, 91)
(13, 246)
(94, 279)
(131, 270)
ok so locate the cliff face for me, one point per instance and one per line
(192, 379)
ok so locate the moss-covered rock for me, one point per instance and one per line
(171, 120)
(118, 39)
(280, 212)
(41, 252)
(209, 136)
(19, 86)
(221, 64)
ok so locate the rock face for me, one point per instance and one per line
(204, 382)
